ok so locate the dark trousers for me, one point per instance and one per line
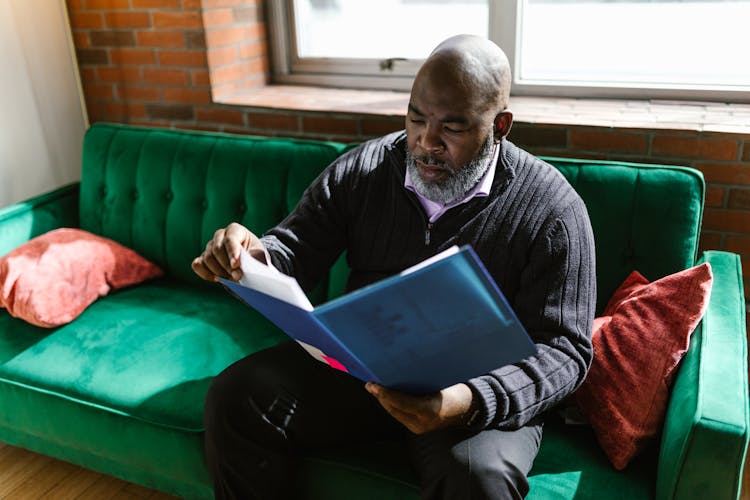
(266, 409)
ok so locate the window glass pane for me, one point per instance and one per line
(662, 42)
(383, 28)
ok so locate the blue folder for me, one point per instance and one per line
(420, 332)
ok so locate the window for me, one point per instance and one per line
(619, 48)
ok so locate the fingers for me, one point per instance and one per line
(221, 258)
(234, 239)
(415, 413)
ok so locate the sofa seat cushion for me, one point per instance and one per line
(571, 464)
(148, 352)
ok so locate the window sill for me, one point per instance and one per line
(613, 113)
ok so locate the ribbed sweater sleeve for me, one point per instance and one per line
(555, 301)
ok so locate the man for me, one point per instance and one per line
(451, 178)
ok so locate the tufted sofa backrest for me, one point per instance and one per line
(645, 217)
(163, 192)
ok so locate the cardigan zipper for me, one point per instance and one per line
(427, 234)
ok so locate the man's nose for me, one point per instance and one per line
(431, 141)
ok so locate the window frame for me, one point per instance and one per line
(504, 17)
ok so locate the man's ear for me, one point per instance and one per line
(503, 123)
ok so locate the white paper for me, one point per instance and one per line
(269, 280)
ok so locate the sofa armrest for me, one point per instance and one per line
(705, 435)
(24, 220)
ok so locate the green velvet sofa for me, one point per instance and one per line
(121, 389)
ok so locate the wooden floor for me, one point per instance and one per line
(28, 476)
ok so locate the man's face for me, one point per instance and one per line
(446, 132)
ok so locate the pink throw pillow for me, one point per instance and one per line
(50, 280)
(638, 343)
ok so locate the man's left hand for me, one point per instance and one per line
(422, 414)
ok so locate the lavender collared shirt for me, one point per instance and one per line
(435, 209)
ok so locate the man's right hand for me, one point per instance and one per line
(221, 258)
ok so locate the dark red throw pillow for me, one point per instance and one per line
(638, 343)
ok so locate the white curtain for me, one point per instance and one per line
(42, 117)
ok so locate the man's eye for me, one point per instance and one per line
(416, 120)
(453, 130)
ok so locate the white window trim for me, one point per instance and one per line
(503, 14)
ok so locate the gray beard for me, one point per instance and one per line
(458, 182)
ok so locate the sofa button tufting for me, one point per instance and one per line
(168, 196)
(242, 208)
(204, 204)
(103, 191)
(134, 195)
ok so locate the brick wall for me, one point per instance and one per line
(170, 62)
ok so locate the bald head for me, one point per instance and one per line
(472, 65)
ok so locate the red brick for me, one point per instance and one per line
(709, 148)
(328, 125)
(531, 136)
(208, 4)
(715, 197)
(217, 17)
(251, 14)
(224, 36)
(222, 56)
(127, 19)
(195, 39)
(85, 20)
(253, 49)
(273, 121)
(170, 111)
(725, 173)
(218, 115)
(255, 31)
(192, 58)
(187, 96)
(95, 110)
(192, 4)
(200, 78)
(81, 40)
(118, 74)
(165, 76)
(88, 75)
(739, 199)
(710, 241)
(160, 39)
(732, 221)
(138, 93)
(177, 20)
(738, 244)
(155, 4)
(228, 73)
(92, 57)
(377, 127)
(74, 5)
(746, 151)
(132, 56)
(99, 91)
(125, 110)
(596, 140)
(112, 38)
(107, 4)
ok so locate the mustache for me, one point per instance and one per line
(431, 161)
